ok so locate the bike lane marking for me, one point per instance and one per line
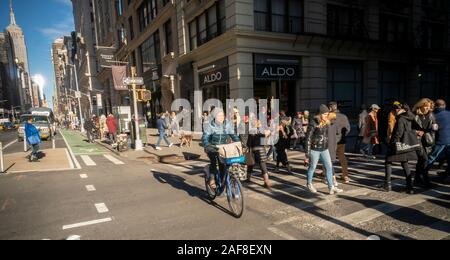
(77, 164)
(113, 159)
(87, 160)
(80, 147)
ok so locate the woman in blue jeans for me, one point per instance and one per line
(162, 127)
(317, 149)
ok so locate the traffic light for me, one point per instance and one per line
(144, 95)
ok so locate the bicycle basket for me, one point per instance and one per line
(233, 150)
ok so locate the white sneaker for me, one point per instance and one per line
(311, 188)
(335, 190)
(158, 149)
(170, 146)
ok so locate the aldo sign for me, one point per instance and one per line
(214, 77)
(277, 71)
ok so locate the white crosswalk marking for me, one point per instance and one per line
(292, 210)
(101, 208)
(90, 188)
(113, 159)
(87, 160)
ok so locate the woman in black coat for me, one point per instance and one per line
(255, 144)
(402, 130)
(284, 143)
(424, 124)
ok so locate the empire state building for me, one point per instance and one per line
(20, 54)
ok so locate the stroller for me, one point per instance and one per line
(121, 143)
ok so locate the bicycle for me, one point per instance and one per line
(229, 182)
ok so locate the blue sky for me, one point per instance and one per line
(42, 22)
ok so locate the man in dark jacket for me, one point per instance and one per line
(442, 147)
(89, 126)
(343, 129)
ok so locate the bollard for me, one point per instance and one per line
(53, 142)
(25, 149)
(2, 169)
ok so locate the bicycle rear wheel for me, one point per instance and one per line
(235, 197)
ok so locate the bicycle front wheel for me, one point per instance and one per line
(212, 193)
(235, 197)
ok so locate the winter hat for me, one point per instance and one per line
(323, 109)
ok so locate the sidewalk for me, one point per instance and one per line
(52, 160)
(167, 155)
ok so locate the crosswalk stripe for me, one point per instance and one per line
(113, 159)
(369, 214)
(341, 225)
(87, 160)
(436, 231)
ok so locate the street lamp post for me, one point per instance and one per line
(78, 97)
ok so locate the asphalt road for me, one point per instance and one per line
(8, 136)
(115, 198)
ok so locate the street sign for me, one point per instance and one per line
(77, 94)
(135, 81)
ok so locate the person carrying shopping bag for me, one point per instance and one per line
(33, 139)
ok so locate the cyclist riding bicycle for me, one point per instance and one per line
(218, 132)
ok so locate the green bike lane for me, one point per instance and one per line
(79, 146)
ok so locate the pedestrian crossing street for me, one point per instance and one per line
(99, 160)
(361, 211)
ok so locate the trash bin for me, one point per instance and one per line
(142, 132)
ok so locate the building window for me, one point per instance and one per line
(345, 85)
(393, 29)
(432, 84)
(193, 34)
(169, 40)
(150, 52)
(345, 21)
(433, 36)
(131, 26)
(147, 12)
(208, 25)
(284, 16)
(392, 82)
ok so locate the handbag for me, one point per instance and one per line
(250, 158)
(409, 143)
(34, 139)
(429, 139)
(233, 150)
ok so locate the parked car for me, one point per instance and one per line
(8, 125)
(42, 123)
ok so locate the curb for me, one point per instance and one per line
(109, 148)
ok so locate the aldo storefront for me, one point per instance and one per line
(277, 77)
(214, 80)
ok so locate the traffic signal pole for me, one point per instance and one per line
(139, 146)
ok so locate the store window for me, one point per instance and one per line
(345, 84)
(392, 82)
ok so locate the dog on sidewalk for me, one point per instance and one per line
(186, 139)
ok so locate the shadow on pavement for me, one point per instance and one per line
(180, 183)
